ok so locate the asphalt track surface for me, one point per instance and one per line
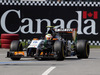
(70, 66)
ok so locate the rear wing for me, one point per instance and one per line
(73, 31)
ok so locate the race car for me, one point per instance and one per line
(54, 45)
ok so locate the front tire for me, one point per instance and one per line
(83, 49)
(16, 46)
(59, 49)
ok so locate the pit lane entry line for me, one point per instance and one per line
(49, 70)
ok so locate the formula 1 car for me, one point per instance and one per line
(52, 46)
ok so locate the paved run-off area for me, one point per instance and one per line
(70, 66)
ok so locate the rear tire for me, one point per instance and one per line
(59, 49)
(16, 46)
(83, 49)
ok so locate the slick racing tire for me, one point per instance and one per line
(59, 49)
(10, 36)
(83, 49)
(6, 41)
(5, 46)
(16, 46)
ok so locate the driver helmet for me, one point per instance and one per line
(48, 37)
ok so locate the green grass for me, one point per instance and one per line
(93, 46)
(23, 43)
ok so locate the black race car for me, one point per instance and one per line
(54, 45)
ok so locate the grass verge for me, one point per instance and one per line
(91, 46)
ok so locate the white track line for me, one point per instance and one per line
(48, 70)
